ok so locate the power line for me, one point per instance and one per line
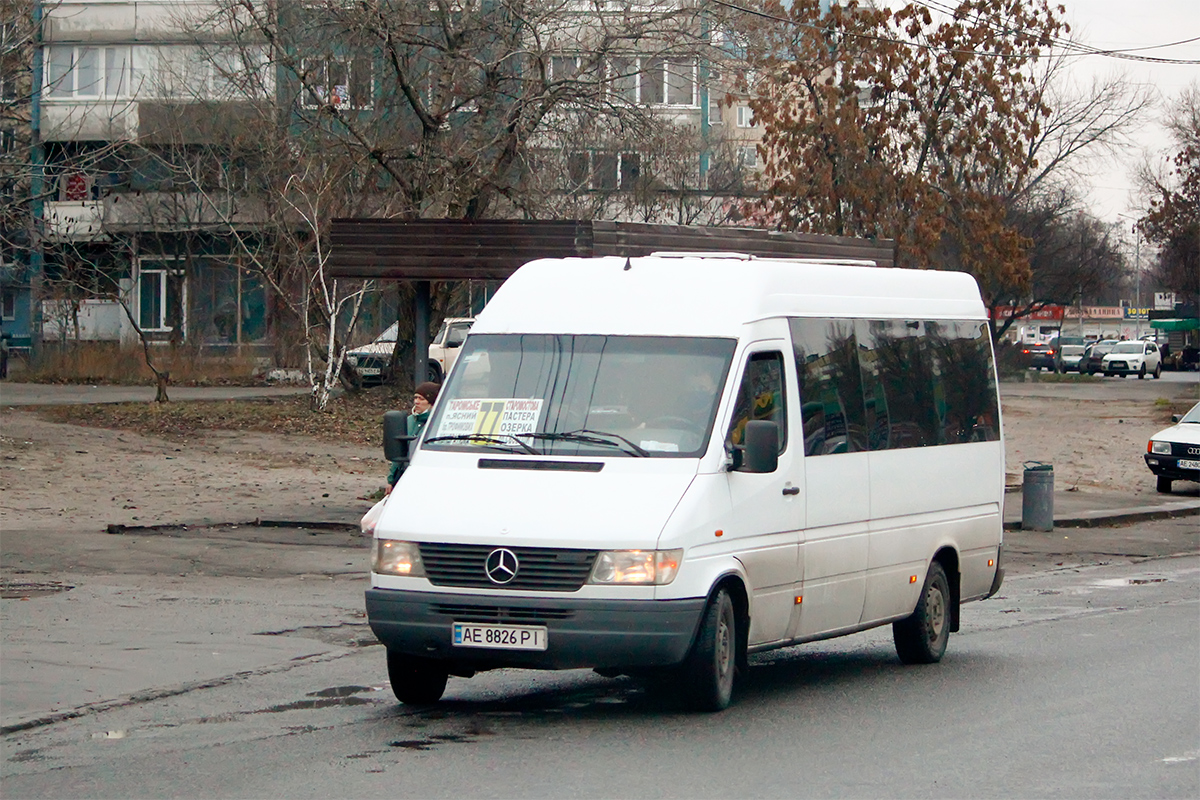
(1073, 48)
(1078, 48)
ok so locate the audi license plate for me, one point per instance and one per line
(1185, 464)
(500, 637)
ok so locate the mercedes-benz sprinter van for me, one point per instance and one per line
(659, 465)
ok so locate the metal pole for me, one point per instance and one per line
(1137, 265)
(420, 332)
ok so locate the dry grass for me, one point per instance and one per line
(350, 419)
(107, 362)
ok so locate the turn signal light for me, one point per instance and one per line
(912, 578)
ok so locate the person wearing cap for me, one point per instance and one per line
(423, 398)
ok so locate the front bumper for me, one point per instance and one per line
(1168, 467)
(581, 633)
(1122, 368)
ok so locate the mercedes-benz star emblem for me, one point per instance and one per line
(501, 565)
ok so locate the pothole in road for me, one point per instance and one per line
(25, 590)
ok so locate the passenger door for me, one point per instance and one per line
(836, 475)
(768, 508)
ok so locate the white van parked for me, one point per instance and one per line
(659, 465)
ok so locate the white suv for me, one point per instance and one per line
(1133, 358)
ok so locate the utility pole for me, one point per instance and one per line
(1137, 270)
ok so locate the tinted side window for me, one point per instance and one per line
(900, 384)
(963, 353)
(761, 396)
(831, 390)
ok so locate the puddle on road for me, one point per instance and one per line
(24, 590)
(1119, 582)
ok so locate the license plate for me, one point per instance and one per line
(368, 370)
(1185, 464)
(500, 637)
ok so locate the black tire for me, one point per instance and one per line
(1158, 371)
(415, 681)
(708, 671)
(921, 637)
(433, 372)
(1142, 372)
(1164, 485)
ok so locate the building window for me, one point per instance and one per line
(748, 156)
(161, 289)
(564, 68)
(654, 81)
(338, 82)
(745, 117)
(89, 71)
(8, 305)
(604, 171)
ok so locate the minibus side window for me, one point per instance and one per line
(964, 354)
(831, 391)
(927, 383)
(761, 396)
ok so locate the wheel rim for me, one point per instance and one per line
(724, 648)
(935, 604)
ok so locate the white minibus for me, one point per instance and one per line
(659, 465)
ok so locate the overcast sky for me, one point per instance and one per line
(1125, 25)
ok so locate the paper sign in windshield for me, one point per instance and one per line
(490, 417)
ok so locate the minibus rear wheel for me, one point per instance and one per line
(921, 637)
(710, 667)
(415, 680)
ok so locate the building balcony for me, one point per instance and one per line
(75, 220)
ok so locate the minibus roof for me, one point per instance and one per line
(698, 296)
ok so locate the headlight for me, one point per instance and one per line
(1162, 448)
(639, 567)
(393, 557)
(352, 360)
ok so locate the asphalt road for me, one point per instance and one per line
(1071, 683)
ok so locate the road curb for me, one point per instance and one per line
(1100, 519)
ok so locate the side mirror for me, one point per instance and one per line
(451, 344)
(761, 450)
(395, 435)
(1176, 417)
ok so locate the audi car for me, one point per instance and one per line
(1173, 454)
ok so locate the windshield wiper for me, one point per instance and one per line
(587, 436)
(486, 440)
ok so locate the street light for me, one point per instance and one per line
(1137, 270)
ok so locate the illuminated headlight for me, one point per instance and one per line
(1161, 448)
(393, 557)
(639, 567)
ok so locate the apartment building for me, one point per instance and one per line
(152, 119)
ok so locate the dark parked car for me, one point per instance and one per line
(1093, 356)
(1038, 356)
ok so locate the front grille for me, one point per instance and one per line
(541, 569)
(500, 614)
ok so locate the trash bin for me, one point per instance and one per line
(1037, 497)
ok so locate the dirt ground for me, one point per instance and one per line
(54, 475)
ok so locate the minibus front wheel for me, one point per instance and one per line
(415, 680)
(921, 637)
(709, 668)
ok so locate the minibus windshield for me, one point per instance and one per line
(560, 394)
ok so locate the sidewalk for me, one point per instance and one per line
(1082, 509)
